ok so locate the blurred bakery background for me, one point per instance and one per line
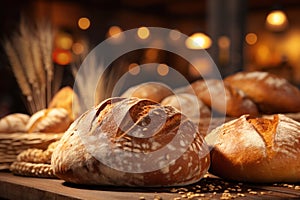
(238, 35)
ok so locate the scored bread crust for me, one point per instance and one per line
(51, 120)
(223, 98)
(81, 158)
(260, 150)
(14, 123)
(271, 93)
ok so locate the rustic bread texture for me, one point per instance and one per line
(271, 93)
(52, 120)
(14, 123)
(188, 104)
(131, 142)
(223, 98)
(66, 98)
(259, 150)
(154, 91)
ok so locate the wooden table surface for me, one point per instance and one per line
(17, 187)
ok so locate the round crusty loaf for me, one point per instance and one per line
(131, 142)
(154, 91)
(223, 98)
(261, 150)
(14, 123)
(188, 104)
(271, 93)
(51, 120)
(66, 98)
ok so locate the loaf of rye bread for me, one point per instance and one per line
(131, 142)
(260, 150)
(271, 93)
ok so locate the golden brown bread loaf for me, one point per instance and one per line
(188, 104)
(131, 142)
(154, 91)
(51, 120)
(223, 98)
(14, 123)
(271, 93)
(66, 98)
(260, 150)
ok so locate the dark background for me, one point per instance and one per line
(233, 18)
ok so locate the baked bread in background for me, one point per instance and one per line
(188, 104)
(223, 98)
(131, 142)
(258, 150)
(271, 93)
(51, 120)
(154, 91)
(14, 123)
(66, 98)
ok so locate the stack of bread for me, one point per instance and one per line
(147, 138)
(35, 132)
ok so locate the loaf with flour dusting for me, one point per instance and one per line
(51, 120)
(271, 93)
(131, 142)
(260, 150)
(14, 123)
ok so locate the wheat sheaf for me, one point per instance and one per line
(29, 52)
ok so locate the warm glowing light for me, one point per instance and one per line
(276, 20)
(251, 38)
(162, 69)
(143, 33)
(224, 42)
(174, 34)
(198, 41)
(263, 55)
(84, 23)
(134, 69)
(62, 57)
(63, 41)
(116, 34)
(78, 48)
(200, 66)
(114, 31)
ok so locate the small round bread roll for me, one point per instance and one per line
(13, 123)
(259, 150)
(187, 104)
(131, 142)
(51, 120)
(66, 98)
(154, 91)
(223, 98)
(271, 93)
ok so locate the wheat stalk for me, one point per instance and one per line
(40, 71)
(30, 57)
(46, 41)
(92, 89)
(19, 74)
(26, 55)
